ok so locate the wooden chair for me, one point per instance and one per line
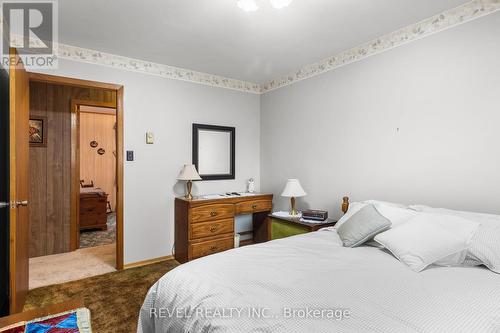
(83, 185)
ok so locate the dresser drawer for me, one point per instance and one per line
(89, 203)
(93, 219)
(92, 209)
(206, 229)
(253, 207)
(210, 247)
(211, 212)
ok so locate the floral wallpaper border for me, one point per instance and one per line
(101, 58)
(437, 23)
(448, 19)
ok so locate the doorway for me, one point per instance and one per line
(97, 173)
(58, 179)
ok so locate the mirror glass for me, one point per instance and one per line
(213, 151)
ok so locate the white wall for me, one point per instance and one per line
(168, 108)
(417, 124)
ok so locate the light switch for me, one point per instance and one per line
(130, 155)
(150, 138)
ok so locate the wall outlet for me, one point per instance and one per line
(130, 155)
(150, 138)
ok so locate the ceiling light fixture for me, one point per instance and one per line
(251, 5)
(248, 5)
(278, 4)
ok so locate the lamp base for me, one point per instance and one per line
(189, 186)
(293, 212)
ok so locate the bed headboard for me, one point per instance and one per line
(345, 204)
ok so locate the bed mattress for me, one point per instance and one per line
(310, 283)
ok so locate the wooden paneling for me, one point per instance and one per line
(100, 169)
(38, 185)
(50, 175)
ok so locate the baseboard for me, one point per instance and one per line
(147, 262)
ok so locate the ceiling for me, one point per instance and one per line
(217, 37)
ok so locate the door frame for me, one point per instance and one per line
(18, 183)
(75, 155)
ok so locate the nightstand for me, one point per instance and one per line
(281, 227)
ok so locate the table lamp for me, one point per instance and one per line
(189, 173)
(293, 190)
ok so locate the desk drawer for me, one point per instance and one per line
(253, 207)
(206, 229)
(210, 247)
(212, 212)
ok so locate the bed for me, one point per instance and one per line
(311, 283)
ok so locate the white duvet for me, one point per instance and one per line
(310, 283)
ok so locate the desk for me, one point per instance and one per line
(206, 226)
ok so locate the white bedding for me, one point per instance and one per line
(313, 271)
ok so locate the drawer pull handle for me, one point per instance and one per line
(213, 228)
(213, 247)
(213, 213)
(254, 206)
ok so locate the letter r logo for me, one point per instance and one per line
(28, 26)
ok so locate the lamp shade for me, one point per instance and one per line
(188, 172)
(293, 189)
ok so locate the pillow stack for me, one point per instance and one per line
(485, 245)
(366, 219)
(430, 239)
(420, 236)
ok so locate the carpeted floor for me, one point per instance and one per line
(91, 238)
(71, 266)
(114, 299)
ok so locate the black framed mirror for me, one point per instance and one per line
(214, 151)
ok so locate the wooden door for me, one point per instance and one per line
(19, 178)
(99, 166)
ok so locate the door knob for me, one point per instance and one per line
(22, 203)
(4, 204)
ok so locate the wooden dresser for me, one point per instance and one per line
(206, 226)
(93, 204)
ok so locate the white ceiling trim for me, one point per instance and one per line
(111, 60)
(448, 19)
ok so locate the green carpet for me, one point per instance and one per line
(114, 299)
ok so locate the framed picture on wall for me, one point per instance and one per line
(38, 131)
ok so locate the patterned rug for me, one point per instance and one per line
(75, 321)
(91, 238)
(114, 299)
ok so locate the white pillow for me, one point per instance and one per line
(354, 207)
(430, 239)
(385, 203)
(485, 246)
(396, 213)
